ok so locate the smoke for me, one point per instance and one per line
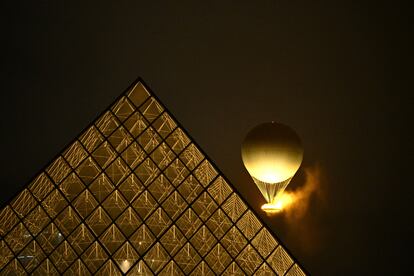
(299, 200)
(302, 209)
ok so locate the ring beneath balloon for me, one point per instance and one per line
(272, 208)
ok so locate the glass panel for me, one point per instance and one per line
(131, 187)
(249, 259)
(147, 171)
(171, 269)
(133, 155)
(233, 269)
(164, 125)
(205, 173)
(101, 187)
(219, 190)
(142, 239)
(41, 186)
(160, 188)
(191, 156)
(234, 207)
(117, 171)
(295, 271)
(202, 269)
(8, 219)
(122, 109)
(94, 257)
(174, 205)
(156, 258)
(144, 204)
(138, 94)
(88, 170)
(77, 268)
(158, 222)
(176, 172)
(54, 203)
(31, 256)
(85, 203)
(109, 268)
(23, 203)
(91, 138)
(149, 139)
(75, 154)
(81, 238)
(204, 206)
(203, 240)
(67, 220)
(98, 221)
(63, 256)
(5, 254)
(249, 225)
(58, 170)
(136, 124)
(128, 222)
(190, 188)
(162, 156)
(36, 220)
(279, 260)
(112, 239)
(218, 259)
(188, 223)
(140, 269)
(72, 186)
(126, 257)
(173, 240)
(151, 109)
(219, 223)
(114, 204)
(49, 238)
(107, 123)
(120, 139)
(187, 258)
(104, 154)
(178, 140)
(234, 241)
(46, 268)
(264, 242)
(18, 238)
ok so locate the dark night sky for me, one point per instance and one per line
(332, 71)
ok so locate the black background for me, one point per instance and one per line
(333, 71)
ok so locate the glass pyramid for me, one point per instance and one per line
(134, 195)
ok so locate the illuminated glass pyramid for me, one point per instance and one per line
(133, 194)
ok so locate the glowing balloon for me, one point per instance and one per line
(272, 153)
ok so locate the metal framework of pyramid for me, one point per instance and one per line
(134, 195)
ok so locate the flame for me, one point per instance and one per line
(283, 201)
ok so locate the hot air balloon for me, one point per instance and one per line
(272, 153)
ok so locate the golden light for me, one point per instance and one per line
(272, 153)
(283, 202)
(125, 265)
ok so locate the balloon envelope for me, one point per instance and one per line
(272, 152)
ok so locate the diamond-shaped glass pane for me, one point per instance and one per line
(158, 222)
(191, 156)
(131, 187)
(41, 186)
(203, 240)
(188, 223)
(75, 154)
(107, 123)
(91, 138)
(67, 220)
(205, 173)
(219, 223)
(36, 220)
(112, 238)
(160, 188)
(58, 170)
(156, 257)
(94, 257)
(133, 155)
(187, 258)
(123, 108)
(88, 170)
(31, 256)
(126, 257)
(264, 242)
(234, 241)
(218, 259)
(81, 238)
(63, 256)
(104, 154)
(138, 94)
(114, 204)
(164, 125)
(144, 204)
(147, 171)
(178, 140)
(136, 124)
(280, 260)
(120, 139)
(49, 238)
(151, 109)
(190, 188)
(142, 239)
(249, 225)
(101, 187)
(128, 221)
(249, 259)
(173, 240)
(72, 186)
